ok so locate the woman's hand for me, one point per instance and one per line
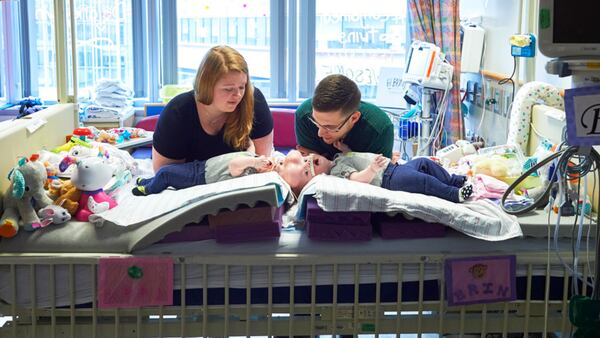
(251, 148)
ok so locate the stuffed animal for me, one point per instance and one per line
(65, 194)
(53, 214)
(23, 197)
(90, 176)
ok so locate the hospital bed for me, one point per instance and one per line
(284, 286)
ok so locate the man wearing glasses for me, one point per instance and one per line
(336, 120)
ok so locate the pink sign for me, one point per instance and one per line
(135, 281)
(480, 279)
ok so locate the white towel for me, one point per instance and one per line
(480, 219)
(133, 210)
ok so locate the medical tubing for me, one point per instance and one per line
(588, 163)
(521, 179)
(572, 172)
(509, 79)
(589, 230)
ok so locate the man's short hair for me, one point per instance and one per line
(336, 92)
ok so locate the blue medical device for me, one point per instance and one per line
(528, 50)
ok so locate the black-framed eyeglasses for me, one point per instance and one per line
(331, 129)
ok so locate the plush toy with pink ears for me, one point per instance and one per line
(90, 176)
(53, 214)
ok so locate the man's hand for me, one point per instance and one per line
(341, 146)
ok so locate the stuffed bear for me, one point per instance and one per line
(65, 194)
(23, 197)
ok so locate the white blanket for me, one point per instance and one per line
(133, 210)
(480, 219)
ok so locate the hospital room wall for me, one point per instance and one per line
(500, 19)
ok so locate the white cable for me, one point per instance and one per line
(482, 101)
(438, 123)
(557, 224)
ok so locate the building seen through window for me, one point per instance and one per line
(43, 54)
(2, 64)
(104, 45)
(352, 37)
(356, 38)
(243, 25)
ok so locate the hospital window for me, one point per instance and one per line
(356, 38)
(103, 33)
(148, 44)
(2, 64)
(241, 24)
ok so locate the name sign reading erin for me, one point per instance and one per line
(476, 280)
(582, 109)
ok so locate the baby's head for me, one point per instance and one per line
(298, 170)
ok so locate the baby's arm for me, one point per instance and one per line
(367, 175)
(249, 165)
(395, 157)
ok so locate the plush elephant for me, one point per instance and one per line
(24, 197)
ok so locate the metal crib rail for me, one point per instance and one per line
(274, 319)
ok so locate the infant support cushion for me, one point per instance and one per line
(337, 226)
(398, 226)
(237, 226)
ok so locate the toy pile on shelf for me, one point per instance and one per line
(74, 180)
(111, 136)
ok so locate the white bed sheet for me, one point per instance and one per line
(480, 219)
(134, 210)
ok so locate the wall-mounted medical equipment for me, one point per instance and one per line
(472, 40)
(427, 72)
(569, 32)
(522, 45)
(427, 67)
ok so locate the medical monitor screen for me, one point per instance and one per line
(569, 28)
(576, 21)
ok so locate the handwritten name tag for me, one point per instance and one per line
(475, 280)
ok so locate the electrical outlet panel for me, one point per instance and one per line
(489, 99)
(470, 91)
(508, 100)
(498, 93)
(477, 94)
(487, 89)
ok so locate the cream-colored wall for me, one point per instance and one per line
(501, 19)
(18, 138)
